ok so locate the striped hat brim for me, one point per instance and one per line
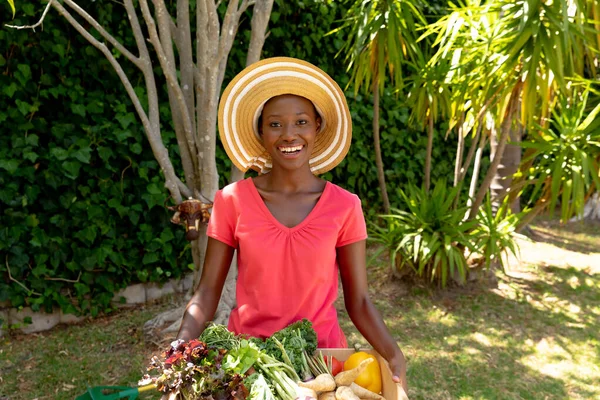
(244, 97)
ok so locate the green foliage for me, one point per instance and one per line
(11, 3)
(566, 156)
(430, 237)
(382, 34)
(495, 233)
(434, 238)
(80, 193)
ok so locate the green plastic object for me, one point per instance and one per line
(113, 392)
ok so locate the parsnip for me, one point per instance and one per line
(345, 378)
(322, 383)
(364, 393)
(345, 393)
(327, 396)
(304, 392)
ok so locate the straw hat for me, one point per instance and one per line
(243, 100)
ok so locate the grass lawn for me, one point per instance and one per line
(535, 334)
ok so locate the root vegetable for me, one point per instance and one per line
(322, 383)
(303, 392)
(364, 393)
(327, 396)
(345, 393)
(345, 378)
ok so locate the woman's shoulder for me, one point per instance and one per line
(235, 189)
(342, 195)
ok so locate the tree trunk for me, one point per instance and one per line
(476, 166)
(260, 20)
(428, 153)
(507, 122)
(377, 145)
(460, 148)
(507, 167)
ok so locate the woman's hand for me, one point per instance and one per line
(398, 368)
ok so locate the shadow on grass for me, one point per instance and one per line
(582, 237)
(528, 339)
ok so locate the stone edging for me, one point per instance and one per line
(140, 293)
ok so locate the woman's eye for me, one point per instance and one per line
(274, 124)
(302, 122)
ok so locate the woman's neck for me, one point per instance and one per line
(298, 180)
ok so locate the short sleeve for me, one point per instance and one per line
(354, 228)
(221, 225)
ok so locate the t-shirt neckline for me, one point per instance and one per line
(275, 221)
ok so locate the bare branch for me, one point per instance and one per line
(140, 40)
(202, 41)
(245, 5)
(29, 291)
(260, 19)
(160, 152)
(130, 56)
(183, 41)
(170, 75)
(35, 25)
(185, 190)
(186, 60)
(46, 278)
(185, 140)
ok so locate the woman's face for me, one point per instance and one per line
(288, 127)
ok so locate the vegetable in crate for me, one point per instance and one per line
(293, 345)
(370, 377)
(236, 369)
(195, 370)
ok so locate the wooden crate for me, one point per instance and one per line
(390, 389)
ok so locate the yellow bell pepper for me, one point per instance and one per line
(370, 378)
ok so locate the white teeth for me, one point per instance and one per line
(290, 149)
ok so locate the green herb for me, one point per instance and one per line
(216, 335)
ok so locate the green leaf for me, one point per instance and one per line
(10, 90)
(59, 153)
(72, 168)
(32, 221)
(83, 155)
(150, 258)
(24, 73)
(30, 155)
(78, 109)
(24, 107)
(10, 165)
(136, 148)
(125, 120)
(32, 140)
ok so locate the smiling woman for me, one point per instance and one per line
(293, 232)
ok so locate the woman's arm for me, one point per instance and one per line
(202, 306)
(362, 312)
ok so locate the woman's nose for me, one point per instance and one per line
(289, 131)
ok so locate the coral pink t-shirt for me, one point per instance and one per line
(286, 274)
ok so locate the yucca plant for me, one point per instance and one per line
(494, 235)
(429, 237)
(564, 156)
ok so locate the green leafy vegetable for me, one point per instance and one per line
(292, 344)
